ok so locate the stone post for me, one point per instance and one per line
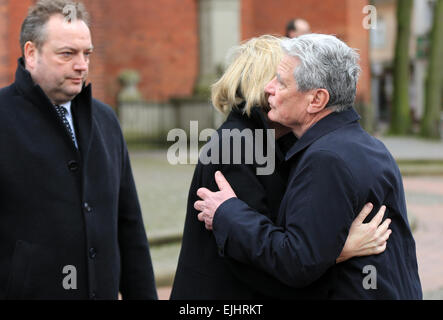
(219, 30)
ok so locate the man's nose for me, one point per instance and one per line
(81, 63)
(270, 88)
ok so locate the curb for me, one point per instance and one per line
(164, 237)
(416, 167)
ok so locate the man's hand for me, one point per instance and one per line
(212, 200)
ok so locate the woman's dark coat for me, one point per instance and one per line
(202, 273)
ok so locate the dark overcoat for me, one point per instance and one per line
(336, 167)
(202, 273)
(70, 220)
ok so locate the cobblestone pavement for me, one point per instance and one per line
(425, 203)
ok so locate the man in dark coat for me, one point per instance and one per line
(335, 167)
(70, 220)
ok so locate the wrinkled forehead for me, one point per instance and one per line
(288, 64)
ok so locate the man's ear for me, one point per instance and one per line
(319, 100)
(30, 54)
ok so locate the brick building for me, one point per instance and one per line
(162, 39)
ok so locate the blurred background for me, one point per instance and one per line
(154, 62)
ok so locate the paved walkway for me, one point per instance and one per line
(425, 201)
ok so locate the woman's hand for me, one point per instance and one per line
(365, 239)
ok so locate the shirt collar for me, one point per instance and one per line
(67, 106)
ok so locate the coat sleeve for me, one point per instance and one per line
(137, 276)
(244, 181)
(319, 206)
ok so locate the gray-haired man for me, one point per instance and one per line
(336, 168)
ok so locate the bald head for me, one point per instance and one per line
(297, 27)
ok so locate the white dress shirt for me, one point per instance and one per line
(70, 119)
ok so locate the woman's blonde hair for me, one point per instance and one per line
(254, 64)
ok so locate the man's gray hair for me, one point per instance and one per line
(33, 27)
(328, 63)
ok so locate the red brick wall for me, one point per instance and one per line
(340, 17)
(271, 16)
(17, 11)
(4, 53)
(160, 38)
(247, 14)
(157, 38)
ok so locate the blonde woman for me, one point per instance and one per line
(202, 273)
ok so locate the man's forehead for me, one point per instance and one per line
(60, 21)
(288, 63)
(301, 24)
(75, 43)
(59, 28)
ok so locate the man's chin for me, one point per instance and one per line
(74, 90)
(272, 116)
(68, 95)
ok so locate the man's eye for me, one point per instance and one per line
(66, 54)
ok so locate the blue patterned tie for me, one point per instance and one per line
(61, 112)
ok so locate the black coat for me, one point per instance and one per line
(336, 167)
(60, 206)
(202, 273)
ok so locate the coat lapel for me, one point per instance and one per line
(82, 113)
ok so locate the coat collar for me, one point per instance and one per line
(256, 116)
(31, 91)
(81, 105)
(326, 125)
(27, 88)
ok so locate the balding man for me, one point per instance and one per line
(297, 27)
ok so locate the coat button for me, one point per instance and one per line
(87, 207)
(73, 166)
(92, 253)
(93, 295)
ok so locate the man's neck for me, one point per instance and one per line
(300, 130)
(280, 130)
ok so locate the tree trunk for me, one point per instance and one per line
(400, 115)
(430, 126)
